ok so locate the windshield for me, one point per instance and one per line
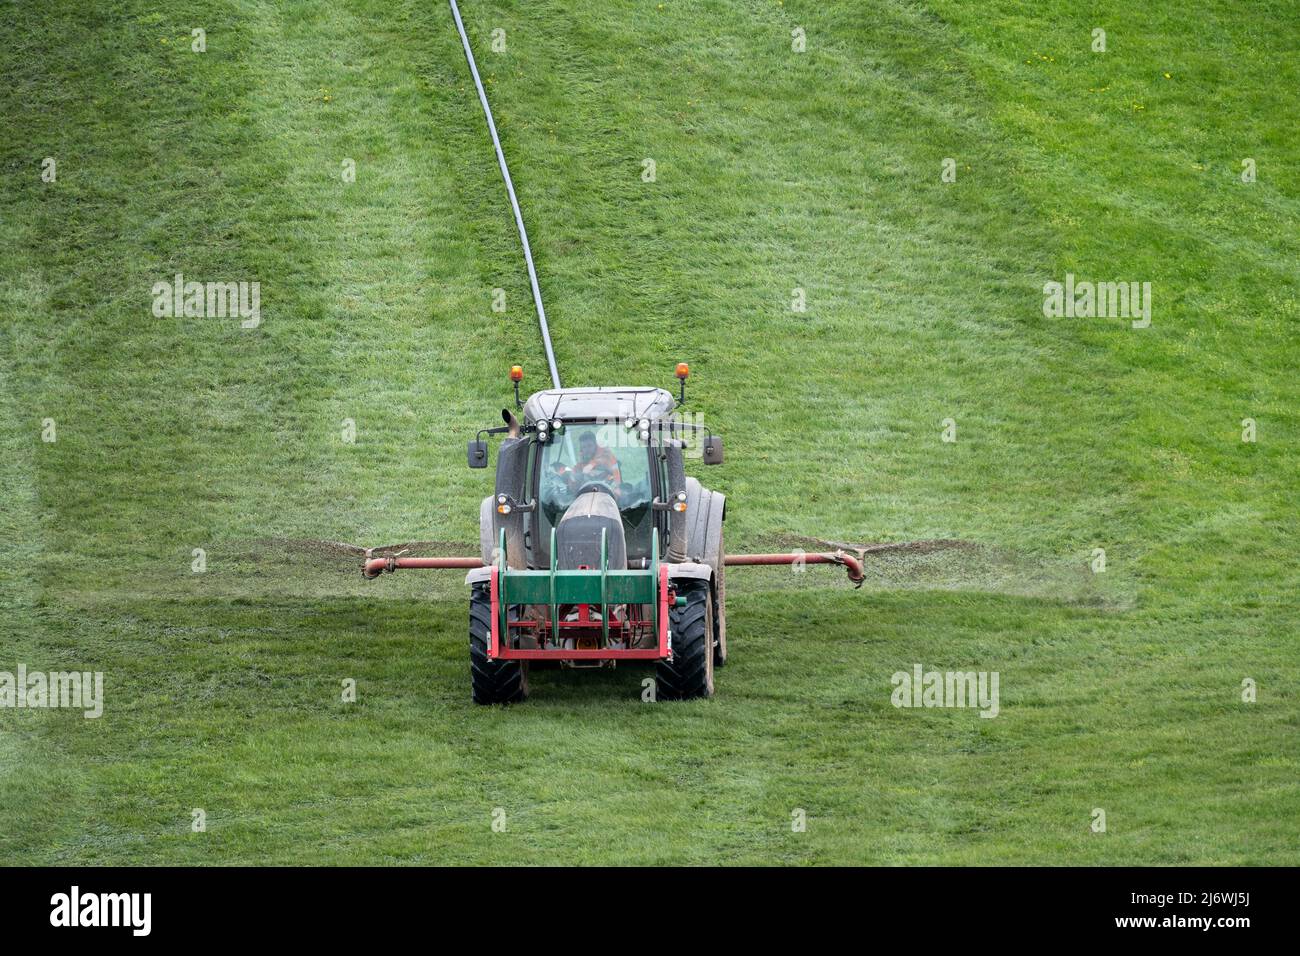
(594, 456)
(604, 456)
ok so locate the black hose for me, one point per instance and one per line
(514, 201)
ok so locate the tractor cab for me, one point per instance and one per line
(588, 465)
(597, 464)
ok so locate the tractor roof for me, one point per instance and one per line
(578, 404)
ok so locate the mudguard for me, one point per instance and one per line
(486, 521)
(705, 511)
(689, 569)
(489, 527)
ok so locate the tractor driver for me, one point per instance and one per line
(595, 463)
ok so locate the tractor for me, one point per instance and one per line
(595, 545)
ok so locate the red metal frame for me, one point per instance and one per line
(584, 624)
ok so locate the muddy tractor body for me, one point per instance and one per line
(597, 547)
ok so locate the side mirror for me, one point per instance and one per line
(478, 454)
(713, 450)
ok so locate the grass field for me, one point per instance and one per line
(775, 170)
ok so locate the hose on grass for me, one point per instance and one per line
(514, 200)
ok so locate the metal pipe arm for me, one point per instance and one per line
(373, 567)
(850, 563)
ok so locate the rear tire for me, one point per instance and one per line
(492, 681)
(689, 675)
